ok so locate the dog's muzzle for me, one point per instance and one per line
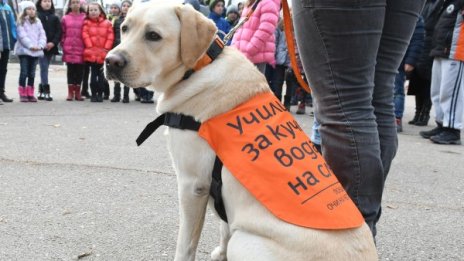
(114, 64)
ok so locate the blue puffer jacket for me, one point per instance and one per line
(281, 53)
(416, 44)
(221, 23)
(8, 26)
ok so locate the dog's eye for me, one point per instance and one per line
(124, 28)
(152, 36)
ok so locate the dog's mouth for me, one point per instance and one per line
(128, 79)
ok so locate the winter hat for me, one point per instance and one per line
(24, 5)
(116, 4)
(126, 1)
(214, 3)
(232, 9)
(194, 3)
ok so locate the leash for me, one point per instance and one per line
(288, 35)
(241, 22)
(291, 46)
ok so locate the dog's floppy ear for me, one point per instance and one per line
(196, 34)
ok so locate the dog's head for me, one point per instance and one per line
(159, 43)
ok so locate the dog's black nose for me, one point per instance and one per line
(115, 61)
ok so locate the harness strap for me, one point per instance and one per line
(216, 189)
(183, 122)
(174, 120)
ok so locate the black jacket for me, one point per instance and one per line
(52, 26)
(443, 39)
(117, 30)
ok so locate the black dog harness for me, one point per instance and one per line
(184, 122)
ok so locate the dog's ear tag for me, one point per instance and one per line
(264, 147)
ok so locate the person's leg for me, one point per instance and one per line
(437, 74)
(451, 94)
(85, 81)
(116, 92)
(101, 86)
(436, 82)
(3, 69)
(398, 94)
(23, 67)
(32, 65)
(400, 20)
(451, 102)
(70, 72)
(277, 80)
(31, 70)
(340, 60)
(93, 82)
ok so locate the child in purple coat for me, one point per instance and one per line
(29, 47)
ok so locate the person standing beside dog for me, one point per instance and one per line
(98, 37)
(125, 5)
(29, 47)
(351, 51)
(73, 47)
(52, 26)
(255, 39)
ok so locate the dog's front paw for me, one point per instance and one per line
(219, 254)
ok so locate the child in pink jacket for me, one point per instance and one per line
(73, 47)
(256, 38)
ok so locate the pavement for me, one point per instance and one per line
(74, 186)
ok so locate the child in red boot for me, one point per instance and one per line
(29, 47)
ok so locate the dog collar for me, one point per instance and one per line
(214, 50)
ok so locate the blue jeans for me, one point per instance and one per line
(44, 63)
(351, 51)
(398, 95)
(27, 65)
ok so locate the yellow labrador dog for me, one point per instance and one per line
(160, 43)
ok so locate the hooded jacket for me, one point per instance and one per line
(52, 27)
(30, 35)
(7, 26)
(71, 38)
(448, 35)
(256, 37)
(98, 39)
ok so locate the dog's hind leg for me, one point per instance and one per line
(220, 252)
(245, 246)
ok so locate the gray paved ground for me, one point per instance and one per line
(73, 183)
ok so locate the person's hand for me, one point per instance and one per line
(35, 48)
(49, 46)
(408, 68)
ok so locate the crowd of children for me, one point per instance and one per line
(85, 34)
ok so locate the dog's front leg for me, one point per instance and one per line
(193, 199)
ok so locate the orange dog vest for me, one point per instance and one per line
(263, 146)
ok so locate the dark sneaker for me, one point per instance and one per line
(433, 132)
(399, 125)
(447, 136)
